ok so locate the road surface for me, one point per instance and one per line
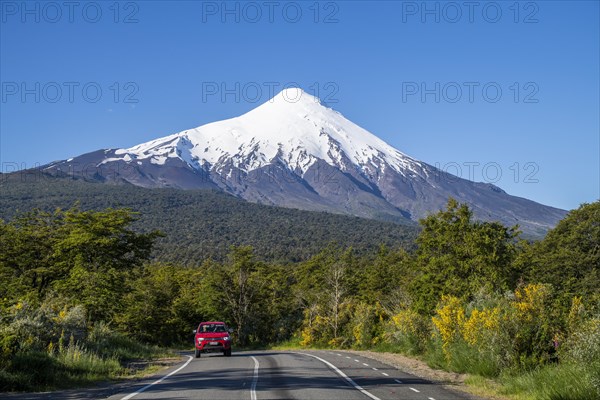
(286, 375)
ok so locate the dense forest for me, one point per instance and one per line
(200, 224)
(469, 296)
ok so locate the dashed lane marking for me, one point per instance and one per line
(343, 375)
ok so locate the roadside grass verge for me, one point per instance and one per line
(464, 360)
(76, 365)
(552, 382)
(290, 344)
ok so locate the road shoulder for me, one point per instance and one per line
(449, 380)
(101, 390)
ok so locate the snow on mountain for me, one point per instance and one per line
(293, 151)
(293, 127)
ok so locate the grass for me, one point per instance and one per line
(484, 387)
(76, 365)
(463, 359)
(35, 370)
(291, 344)
(405, 345)
(552, 382)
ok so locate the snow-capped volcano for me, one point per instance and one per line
(293, 128)
(293, 151)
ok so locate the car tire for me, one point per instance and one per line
(198, 353)
(227, 353)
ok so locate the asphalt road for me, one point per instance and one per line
(271, 375)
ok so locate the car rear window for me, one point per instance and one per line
(210, 328)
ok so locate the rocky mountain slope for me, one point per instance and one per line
(293, 151)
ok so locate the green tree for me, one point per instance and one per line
(28, 264)
(193, 303)
(381, 279)
(326, 284)
(457, 256)
(97, 252)
(277, 315)
(148, 308)
(235, 287)
(81, 255)
(568, 257)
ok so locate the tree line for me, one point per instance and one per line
(202, 224)
(472, 297)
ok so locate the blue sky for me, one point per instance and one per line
(502, 92)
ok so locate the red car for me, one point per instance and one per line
(212, 337)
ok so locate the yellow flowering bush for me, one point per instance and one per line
(322, 327)
(533, 326)
(530, 301)
(406, 321)
(409, 330)
(411, 323)
(362, 324)
(576, 314)
(449, 321)
(481, 325)
(314, 327)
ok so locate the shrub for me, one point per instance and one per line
(366, 325)
(583, 349)
(485, 332)
(314, 327)
(449, 321)
(532, 327)
(111, 344)
(409, 331)
(36, 368)
(30, 328)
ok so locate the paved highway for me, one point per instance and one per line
(271, 375)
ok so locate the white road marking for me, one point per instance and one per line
(414, 390)
(431, 398)
(338, 354)
(254, 379)
(356, 360)
(374, 369)
(397, 381)
(343, 375)
(383, 373)
(347, 357)
(129, 396)
(365, 364)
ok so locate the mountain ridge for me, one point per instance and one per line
(292, 151)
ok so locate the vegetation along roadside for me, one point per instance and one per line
(81, 294)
